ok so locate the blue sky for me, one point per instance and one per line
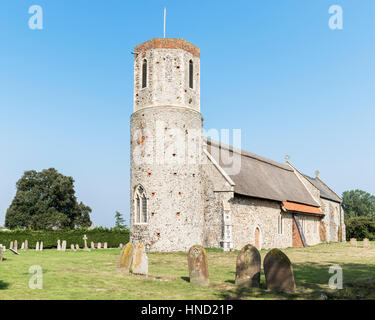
(273, 69)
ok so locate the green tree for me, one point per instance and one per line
(119, 221)
(358, 203)
(46, 201)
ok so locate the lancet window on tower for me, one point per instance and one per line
(191, 74)
(144, 73)
(140, 205)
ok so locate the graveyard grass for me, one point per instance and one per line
(94, 275)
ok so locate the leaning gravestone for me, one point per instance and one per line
(198, 267)
(63, 246)
(366, 243)
(126, 257)
(278, 271)
(140, 261)
(353, 242)
(37, 246)
(248, 267)
(14, 251)
(72, 247)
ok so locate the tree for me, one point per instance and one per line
(119, 221)
(358, 203)
(46, 201)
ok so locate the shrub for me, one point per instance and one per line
(112, 236)
(360, 228)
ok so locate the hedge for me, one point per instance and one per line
(360, 228)
(112, 236)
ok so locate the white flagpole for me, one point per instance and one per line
(165, 14)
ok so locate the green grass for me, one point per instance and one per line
(94, 275)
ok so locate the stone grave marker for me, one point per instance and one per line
(198, 267)
(72, 247)
(140, 261)
(58, 245)
(14, 251)
(15, 245)
(366, 243)
(41, 246)
(37, 246)
(26, 244)
(1, 253)
(248, 267)
(23, 246)
(11, 245)
(105, 245)
(121, 246)
(85, 242)
(126, 257)
(279, 272)
(63, 246)
(77, 246)
(92, 245)
(99, 245)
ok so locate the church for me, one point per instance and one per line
(187, 188)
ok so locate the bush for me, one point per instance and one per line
(112, 236)
(360, 228)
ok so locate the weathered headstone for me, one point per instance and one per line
(279, 272)
(23, 246)
(140, 261)
(85, 241)
(366, 243)
(126, 257)
(121, 246)
(26, 244)
(353, 242)
(99, 245)
(77, 247)
(92, 245)
(15, 245)
(14, 251)
(105, 245)
(72, 247)
(41, 246)
(63, 246)
(198, 267)
(1, 253)
(248, 267)
(58, 245)
(37, 246)
(11, 245)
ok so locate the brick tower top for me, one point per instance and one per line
(166, 73)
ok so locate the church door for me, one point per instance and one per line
(257, 238)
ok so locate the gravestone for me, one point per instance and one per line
(366, 243)
(26, 244)
(15, 245)
(353, 242)
(99, 245)
(92, 245)
(37, 246)
(85, 242)
(1, 253)
(198, 267)
(58, 245)
(278, 271)
(126, 257)
(41, 246)
(140, 261)
(11, 245)
(72, 247)
(248, 267)
(14, 251)
(77, 247)
(23, 246)
(63, 246)
(121, 246)
(105, 245)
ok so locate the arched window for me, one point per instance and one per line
(144, 73)
(191, 74)
(140, 204)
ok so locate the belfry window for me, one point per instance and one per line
(280, 224)
(140, 206)
(191, 74)
(144, 73)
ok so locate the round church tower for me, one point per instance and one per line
(166, 146)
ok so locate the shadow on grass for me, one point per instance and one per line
(312, 283)
(187, 279)
(3, 285)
